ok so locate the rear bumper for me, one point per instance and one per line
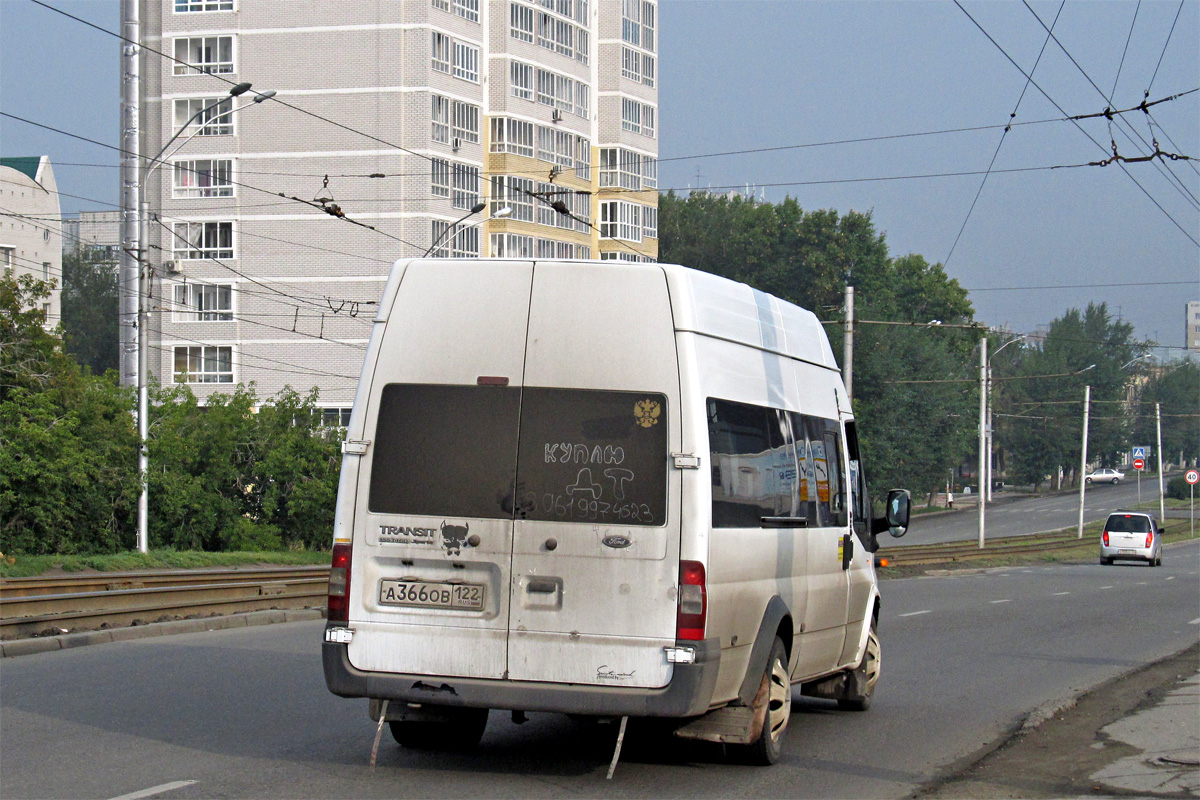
(1129, 553)
(687, 695)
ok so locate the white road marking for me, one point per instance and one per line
(154, 790)
(1106, 587)
(916, 613)
(1196, 621)
(1060, 594)
(1170, 577)
(994, 602)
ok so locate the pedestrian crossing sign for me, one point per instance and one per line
(1139, 452)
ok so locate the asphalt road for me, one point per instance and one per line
(245, 713)
(1018, 516)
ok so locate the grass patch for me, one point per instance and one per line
(30, 566)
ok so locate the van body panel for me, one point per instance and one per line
(611, 611)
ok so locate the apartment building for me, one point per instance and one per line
(31, 229)
(276, 222)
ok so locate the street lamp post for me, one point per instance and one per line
(142, 334)
(988, 428)
(475, 209)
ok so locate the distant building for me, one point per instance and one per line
(31, 229)
(1192, 337)
(97, 233)
(427, 109)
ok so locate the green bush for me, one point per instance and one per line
(1178, 488)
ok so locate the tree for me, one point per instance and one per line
(90, 311)
(1176, 388)
(67, 444)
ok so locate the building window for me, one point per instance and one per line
(583, 159)
(440, 177)
(204, 54)
(631, 22)
(441, 52)
(522, 80)
(648, 70)
(441, 119)
(461, 242)
(520, 22)
(192, 6)
(650, 172)
(216, 119)
(582, 45)
(203, 240)
(466, 186)
(441, 5)
(466, 62)
(545, 87)
(650, 222)
(511, 245)
(631, 64)
(648, 13)
(583, 251)
(516, 193)
(583, 100)
(204, 178)
(631, 115)
(512, 136)
(621, 168)
(648, 115)
(334, 417)
(545, 30)
(466, 121)
(204, 364)
(621, 220)
(467, 9)
(202, 302)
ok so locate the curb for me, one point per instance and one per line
(43, 644)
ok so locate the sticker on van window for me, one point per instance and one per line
(646, 412)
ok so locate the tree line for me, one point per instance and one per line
(250, 473)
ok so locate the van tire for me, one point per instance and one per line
(461, 733)
(863, 678)
(776, 692)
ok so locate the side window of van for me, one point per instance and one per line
(754, 470)
(445, 451)
(860, 501)
(593, 456)
(822, 484)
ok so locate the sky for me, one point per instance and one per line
(787, 78)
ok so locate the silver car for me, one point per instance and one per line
(1132, 536)
(1106, 475)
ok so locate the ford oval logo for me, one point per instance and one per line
(617, 541)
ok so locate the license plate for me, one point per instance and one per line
(423, 594)
(1125, 552)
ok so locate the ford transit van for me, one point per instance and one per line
(605, 489)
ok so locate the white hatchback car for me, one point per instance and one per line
(1105, 475)
(1133, 536)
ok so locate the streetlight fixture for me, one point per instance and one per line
(988, 428)
(143, 277)
(475, 209)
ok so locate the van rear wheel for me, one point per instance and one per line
(775, 692)
(461, 730)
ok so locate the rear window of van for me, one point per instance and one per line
(567, 455)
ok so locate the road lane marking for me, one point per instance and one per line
(1000, 601)
(916, 613)
(1060, 594)
(1196, 621)
(1106, 587)
(154, 790)
(1170, 577)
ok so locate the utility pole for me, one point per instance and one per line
(983, 403)
(848, 343)
(1162, 510)
(131, 246)
(1087, 401)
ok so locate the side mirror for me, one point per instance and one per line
(895, 519)
(898, 508)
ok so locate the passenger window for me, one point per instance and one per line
(754, 470)
(593, 456)
(445, 451)
(822, 485)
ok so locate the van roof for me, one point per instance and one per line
(705, 304)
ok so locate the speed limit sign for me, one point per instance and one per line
(1192, 476)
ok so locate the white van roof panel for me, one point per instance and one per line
(714, 306)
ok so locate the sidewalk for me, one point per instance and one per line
(1137, 735)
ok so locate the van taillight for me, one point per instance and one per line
(1106, 538)
(693, 601)
(339, 585)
